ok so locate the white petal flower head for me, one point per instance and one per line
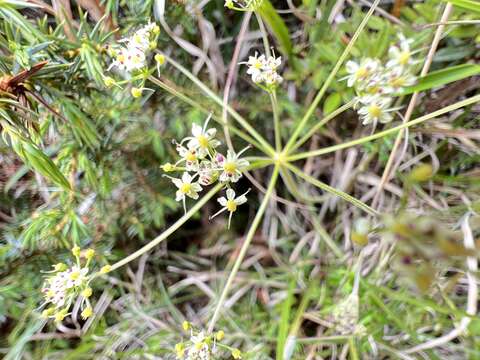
(376, 109)
(398, 78)
(129, 59)
(189, 156)
(186, 188)
(400, 55)
(230, 203)
(263, 70)
(232, 166)
(200, 348)
(360, 73)
(202, 139)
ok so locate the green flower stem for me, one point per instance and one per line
(383, 133)
(243, 250)
(170, 230)
(215, 98)
(198, 106)
(332, 190)
(321, 123)
(330, 78)
(276, 120)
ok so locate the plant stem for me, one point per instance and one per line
(170, 230)
(383, 133)
(219, 101)
(332, 190)
(321, 123)
(243, 250)
(276, 120)
(330, 78)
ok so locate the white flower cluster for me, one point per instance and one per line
(201, 346)
(263, 70)
(376, 84)
(203, 165)
(65, 284)
(243, 5)
(131, 53)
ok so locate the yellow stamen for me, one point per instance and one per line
(404, 57)
(231, 206)
(361, 73)
(230, 167)
(375, 111)
(190, 156)
(202, 141)
(186, 188)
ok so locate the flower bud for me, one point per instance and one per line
(105, 269)
(220, 335)
(108, 81)
(136, 92)
(89, 254)
(236, 354)
(421, 173)
(87, 312)
(76, 251)
(87, 292)
(186, 325)
(168, 167)
(160, 59)
(60, 267)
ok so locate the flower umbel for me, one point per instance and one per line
(263, 70)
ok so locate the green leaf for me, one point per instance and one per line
(471, 5)
(332, 102)
(277, 26)
(443, 77)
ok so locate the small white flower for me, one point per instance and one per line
(207, 173)
(189, 156)
(129, 59)
(263, 70)
(186, 187)
(203, 139)
(230, 203)
(400, 55)
(361, 73)
(376, 109)
(397, 78)
(232, 166)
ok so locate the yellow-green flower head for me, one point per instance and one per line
(136, 92)
(236, 354)
(105, 269)
(87, 312)
(76, 251)
(160, 59)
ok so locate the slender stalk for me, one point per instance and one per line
(383, 133)
(332, 190)
(243, 250)
(330, 78)
(391, 166)
(198, 205)
(219, 101)
(198, 106)
(276, 121)
(231, 74)
(321, 123)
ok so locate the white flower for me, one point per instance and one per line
(400, 55)
(207, 173)
(397, 78)
(255, 67)
(361, 73)
(203, 139)
(232, 166)
(129, 59)
(263, 69)
(189, 156)
(60, 288)
(200, 348)
(230, 203)
(186, 187)
(376, 109)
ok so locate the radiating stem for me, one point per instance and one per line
(321, 123)
(170, 230)
(243, 250)
(219, 101)
(383, 133)
(276, 121)
(330, 78)
(332, 190)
